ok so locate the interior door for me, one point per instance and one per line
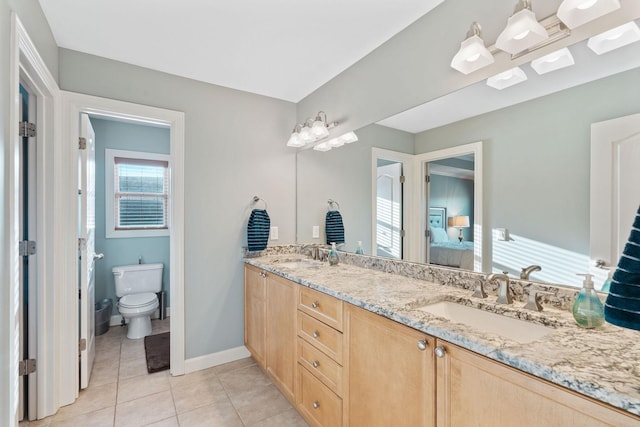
(615, 194)
(87, 253)
(389, 227)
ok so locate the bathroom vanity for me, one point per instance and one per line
(353, 346)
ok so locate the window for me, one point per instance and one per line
(137, 194)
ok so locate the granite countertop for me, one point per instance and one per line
(602, 363)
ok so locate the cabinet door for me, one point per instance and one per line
(281, 333)
(476, 391)
(255, 306)
(391, 373)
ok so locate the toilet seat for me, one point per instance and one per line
(138, 301)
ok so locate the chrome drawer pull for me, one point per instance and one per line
(422, 345)
(315, 363)
(315, 334)
(440, 351)
(316, 404)
(315, 304)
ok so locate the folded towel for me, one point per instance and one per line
(258, 230)
(622, 307)
(334, 227)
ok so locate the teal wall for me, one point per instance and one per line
(122, 251)
(455, 194)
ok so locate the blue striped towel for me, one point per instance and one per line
(622, 307)
(258, 230)
(334, 228)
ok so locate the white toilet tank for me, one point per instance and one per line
(137, 278)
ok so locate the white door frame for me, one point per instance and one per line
(27, 66)
(73, 105)
(419, 244)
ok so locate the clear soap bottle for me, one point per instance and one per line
(587, 308)
(333, 255)
(359, 249)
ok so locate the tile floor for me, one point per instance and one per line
(122, 393)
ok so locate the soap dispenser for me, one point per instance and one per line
(587, 309)
(359, 249)
(333, 254)
(607, 283)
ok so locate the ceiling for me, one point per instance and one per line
(284, 49)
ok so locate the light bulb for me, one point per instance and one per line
(586, 4)
(473, 58)
(522, 35)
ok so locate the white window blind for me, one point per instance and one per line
(141, 193)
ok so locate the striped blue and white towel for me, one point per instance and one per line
(258, 230)
(334, 227)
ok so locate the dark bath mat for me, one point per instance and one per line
(157, 349)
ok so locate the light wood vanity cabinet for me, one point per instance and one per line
(390, 372)
(344, 366)
(493, 394)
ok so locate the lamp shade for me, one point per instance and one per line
(294, 140)
(319, 129)
(507, 78)
(577, 12)
(472, 56)
(522, 32)
(554, 61)
(461, 221)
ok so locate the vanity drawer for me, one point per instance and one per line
(317, 403)
(321, 336)
(323, 307)
(321, 366)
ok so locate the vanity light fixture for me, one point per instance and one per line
(311, 131)
(323, 146)
(615, 38)
(473, 54)
(346, 138)
(578, 12)
(522, 31)
(507, 78)
(554, 61)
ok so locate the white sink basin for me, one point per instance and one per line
(300, 264)
(513, 329)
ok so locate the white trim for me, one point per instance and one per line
(408, 210)
(419, 244)
(214, 359)
(27, 65)
(74, 104)
(109, 162)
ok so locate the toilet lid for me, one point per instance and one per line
(137, 300)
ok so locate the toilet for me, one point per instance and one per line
(136, 286)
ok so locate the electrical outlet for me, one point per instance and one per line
(315, 232)
(274, 233)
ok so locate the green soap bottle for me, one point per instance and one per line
(333, 255)
(587, 309)
(607, 283)
(359, 249)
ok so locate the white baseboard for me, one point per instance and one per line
(116, 319)
(215, 359)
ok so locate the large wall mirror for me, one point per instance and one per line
(536, 166)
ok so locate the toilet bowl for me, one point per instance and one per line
(136, 286)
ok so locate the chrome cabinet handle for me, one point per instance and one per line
(316, 404)
(315, 304)
(315, 364)
(315, 334)
(422, 345)
(97, 256)
(440, 351)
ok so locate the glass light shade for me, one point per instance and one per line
(305, 135)
(323, 146)
(554, 61)
(577, 12)
(472, 56)
(522, 32)
(294, 140)
(615, 38)
(319, 129)
(349, 137)
(335, 142)
(507, 78)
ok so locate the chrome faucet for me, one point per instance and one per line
(526, 271)
(504, 293)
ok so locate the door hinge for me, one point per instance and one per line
(26, 247)
(402, 179)
(427, 232)
(26, 367)
(82, 143)
(82, 243)
(26, 129)
(82, 345)
(427, 178)
(402, 233)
